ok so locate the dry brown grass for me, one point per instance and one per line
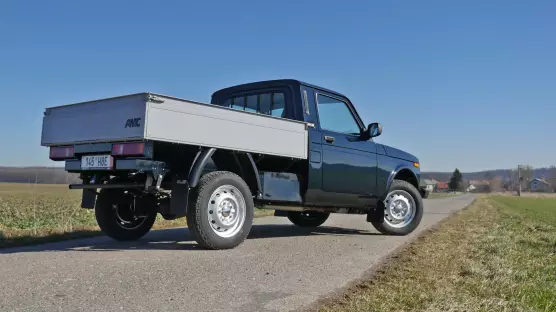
(526, 194)
(443, 195)
(36, 213)
(497, 255)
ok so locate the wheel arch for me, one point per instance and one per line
(404, 173)
(239, 163)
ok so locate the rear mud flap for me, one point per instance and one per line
(376, 214)
(180, 197)
(88, 198)
(280, 213)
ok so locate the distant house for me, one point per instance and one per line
(539, 185)
(478, 186)
(479, 182)
(428, 185)
(441, 186)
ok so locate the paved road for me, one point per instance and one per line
(279, 268)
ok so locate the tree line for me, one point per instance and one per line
(515, 178)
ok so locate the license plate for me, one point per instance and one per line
(97, 162)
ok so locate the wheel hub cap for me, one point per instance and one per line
(226, 211)
(399, 209)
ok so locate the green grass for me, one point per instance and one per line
(31, 214)
(497, 255)
(442, 195)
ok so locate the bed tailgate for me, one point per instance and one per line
(112, 119)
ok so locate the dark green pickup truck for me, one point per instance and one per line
(286, 145)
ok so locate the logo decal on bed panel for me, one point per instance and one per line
(132, 123)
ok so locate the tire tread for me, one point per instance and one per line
(384, 228)
(194, 211)
(109, 226)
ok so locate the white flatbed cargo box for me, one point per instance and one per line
(149, 116)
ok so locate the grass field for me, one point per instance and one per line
(497, 255)
(443, 195)
(35, 213)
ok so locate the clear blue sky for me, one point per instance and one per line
(470, 84)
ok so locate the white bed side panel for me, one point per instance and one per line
(192, 123)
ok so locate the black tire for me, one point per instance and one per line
(117, 221)
(308, 218)
(202, 209)
(413, 196)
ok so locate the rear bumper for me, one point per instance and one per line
(132, 165)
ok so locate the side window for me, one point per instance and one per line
(252, 104)
(273, 104)
(265, 103)
(334, 115)
(238, 102)
(278, 104)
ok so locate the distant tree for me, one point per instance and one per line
(456, 180)
(495, 184)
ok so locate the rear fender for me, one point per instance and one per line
(199, 164)
(240, 163)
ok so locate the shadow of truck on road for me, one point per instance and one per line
(179, 239)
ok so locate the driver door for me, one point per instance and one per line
(349, 164)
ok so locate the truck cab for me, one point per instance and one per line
(346, 167)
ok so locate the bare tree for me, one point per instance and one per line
(527, 174)
(552, 177)
(512, 180)
(495, 184)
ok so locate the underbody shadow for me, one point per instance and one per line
(179, 239)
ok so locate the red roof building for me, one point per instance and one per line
(441, 185)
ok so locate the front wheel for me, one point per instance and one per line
(123, 216)
(308, 218)
(403, 209)
(221, 214)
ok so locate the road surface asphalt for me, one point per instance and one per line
(278, 268)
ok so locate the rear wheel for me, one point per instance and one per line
(123, 216)
(308, 218)
(403, 209)
(221, 214)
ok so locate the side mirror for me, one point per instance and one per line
(374, 130)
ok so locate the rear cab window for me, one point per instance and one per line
(267, 103)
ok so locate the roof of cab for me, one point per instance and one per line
(270, 83)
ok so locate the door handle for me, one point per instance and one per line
(329, 139)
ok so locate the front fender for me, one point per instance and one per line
(389, 168)
(397, 170)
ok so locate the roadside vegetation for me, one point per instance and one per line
(497, 255)
(38, 213)
(443, 195)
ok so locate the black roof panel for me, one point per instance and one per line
(270, 83)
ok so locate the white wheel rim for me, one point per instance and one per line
(399, 209)
(226, 211)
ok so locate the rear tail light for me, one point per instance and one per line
(128, 149)
(61, 152)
